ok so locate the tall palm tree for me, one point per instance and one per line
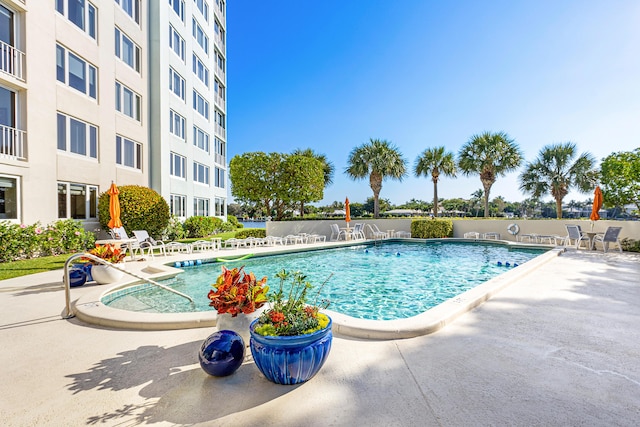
(327, 168)
(376, 159)
(556, 170)
(490, 155)
(434, 162)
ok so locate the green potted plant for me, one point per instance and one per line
(237, 297)
(291, 340)
(104, 274)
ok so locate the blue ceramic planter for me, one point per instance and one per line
(290, 360)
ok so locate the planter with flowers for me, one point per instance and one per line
(105, 274)
(238, 298)
(291, 340)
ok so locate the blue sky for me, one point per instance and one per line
(330, 75)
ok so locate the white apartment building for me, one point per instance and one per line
(187, 82)
(86, 92)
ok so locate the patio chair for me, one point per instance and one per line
(336, 233)
(120, 233)
(574, 233)
(149, 243)
(471, 235)
(609, 236)
(358, 232)
(376, 233)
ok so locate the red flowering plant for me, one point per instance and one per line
(108, 252)
(237, 292)
(289, 313)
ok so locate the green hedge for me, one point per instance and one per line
(431, 228)
(251, 232)
(202, 226)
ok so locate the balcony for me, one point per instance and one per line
(220, 159)
(12, 143)
(11, 61)
(221, 131)
(219, 40)
(219, 101)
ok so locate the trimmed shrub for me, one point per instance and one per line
(202, 226)
(251, 232)
(141, 208)
(174, 230)
(630, 245)
(31, 241)
(431, 228)
(234, 221)
(227, 226)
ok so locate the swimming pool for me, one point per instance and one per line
(384, 281)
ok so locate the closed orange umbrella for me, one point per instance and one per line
(114, 207)
(347, 211)
(597, 204)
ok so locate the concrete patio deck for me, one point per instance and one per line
(561, 346)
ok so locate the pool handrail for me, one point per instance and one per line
(67, 281)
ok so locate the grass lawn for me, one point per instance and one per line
(12, 269)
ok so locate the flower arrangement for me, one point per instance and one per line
(292, 316)
(107, 252)
(236, 292)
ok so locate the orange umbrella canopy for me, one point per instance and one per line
(114, 207)
(347, 210)
(597, 204)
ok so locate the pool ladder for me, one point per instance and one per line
(67, 281)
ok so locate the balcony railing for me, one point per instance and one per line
(12, 143)
(221, 131)
(220, 73)
(219, 41)
(11, 60)
(219, 101)
(219, 159)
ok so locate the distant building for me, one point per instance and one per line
(98, 91)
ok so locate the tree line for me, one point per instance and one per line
(279, 182)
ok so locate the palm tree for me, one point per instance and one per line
(555, 172)
(376, 159)
(490, 155)
(327, 168)
(433, 162)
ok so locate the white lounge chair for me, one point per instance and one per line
(376, 232)
(609, 236)
(336, 233)
(121, 234)
(358, 232)
(149, 243)
(471, 235)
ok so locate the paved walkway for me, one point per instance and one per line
(559, 347)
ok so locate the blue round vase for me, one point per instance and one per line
(222, 353)
(290, 359)
(77, 277)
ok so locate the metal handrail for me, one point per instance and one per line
(67, 281)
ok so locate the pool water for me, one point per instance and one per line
(386, 281)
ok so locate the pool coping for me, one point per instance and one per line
(90, 309)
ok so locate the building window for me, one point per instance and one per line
(82, 13)
(178, 8)
(177, 124)
(200, 206)
(131, 8)
(220, 61)
(219, 206)
(127, 50)
(203, 7)
(178, 167)
(200, 173)
(200, 36)
(201, 105)
(177, 84)
(178, 204)
(128, 153)
(220, 151)
(176, 43)
(9, 197)
(200, 70)
(217, 28)
(127, 101)
(76, 136)
(219, 177)
(220, 4)
(219, 118)
(219, 88)
(77, 201)
(200, 139)
(76, 72)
